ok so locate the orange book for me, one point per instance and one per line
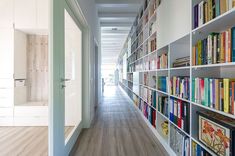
(223, 6)
(217, 106)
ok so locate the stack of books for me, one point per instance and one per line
(180, 87)
(216, 48)
(198, 150)
(179, 142)
(162, 62)
(162, 83)
(179, 113)
(215, 93)
(208, 10)
(162, 102)
(182, 62)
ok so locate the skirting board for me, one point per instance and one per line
(165, 145)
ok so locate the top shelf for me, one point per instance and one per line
(218, 24)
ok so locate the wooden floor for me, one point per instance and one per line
(25, 141)
(118, 130)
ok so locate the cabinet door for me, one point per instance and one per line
(20, 55)
(25, 14)
(42, 14)
(6, 53)
(6, 13)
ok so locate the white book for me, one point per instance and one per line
(215, 49)
(209, 49)
(230, 4)
(201, 16)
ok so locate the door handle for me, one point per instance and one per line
(64, 80)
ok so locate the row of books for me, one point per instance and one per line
(180, 87)
(208, 10)
(197, 150)
(162, 102)
(162, 62)
(148, 96)
(162, 83)
(148, 112)
(179, 113)
(216, 48)
(179, 142)
(182, 62)
(215, 93)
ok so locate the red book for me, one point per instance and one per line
(202, 91)
(179, 121)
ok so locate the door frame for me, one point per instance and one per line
(57, 144)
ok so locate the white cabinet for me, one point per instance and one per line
(20, 55)
(6, 53)
(31, 14)
(6, 14)
(25, 14)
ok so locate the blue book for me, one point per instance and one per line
(217, 7)
(233, 43)
(196, 16)
(205, 51)
(198, 150)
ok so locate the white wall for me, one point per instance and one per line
(89, 10)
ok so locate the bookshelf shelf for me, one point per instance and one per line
(179, 128)
(203, 146)
(172, 57)
(179, 98)
(166, 118)
(214, 110)
(215, 65)
(219, 23)
(180, 68)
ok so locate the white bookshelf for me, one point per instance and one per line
(177, 45)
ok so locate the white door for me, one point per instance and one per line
(73, 73)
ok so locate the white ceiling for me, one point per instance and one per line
(116, 18)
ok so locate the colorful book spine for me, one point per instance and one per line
(215, 48)
(179, 113)
(233, 43)
(218, 94)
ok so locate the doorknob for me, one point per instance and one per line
(63, 86)
(63, 79)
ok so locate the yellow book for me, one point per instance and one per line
(222, 37)
(226, 95)
(199, 52)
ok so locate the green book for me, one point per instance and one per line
(193, 89)
(199, 52)
(206, 91)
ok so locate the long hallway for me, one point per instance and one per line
(118, 130)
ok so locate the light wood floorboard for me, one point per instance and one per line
(25, 141)
(117, 130)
